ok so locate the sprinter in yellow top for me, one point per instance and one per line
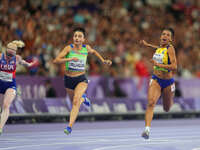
(162, 82)
(75, 58)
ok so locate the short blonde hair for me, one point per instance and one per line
(20, 44)
(12, 46)
(15, 44)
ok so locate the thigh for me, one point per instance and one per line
(168, 94)
(1, 97)
(9, 96)
(70, 82)
(1, 100)
(80, 90)
(70, 92)
(154, 91)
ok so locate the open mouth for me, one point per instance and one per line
(164, 40)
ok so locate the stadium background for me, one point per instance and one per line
(114, 28)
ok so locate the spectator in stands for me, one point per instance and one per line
(118, 92)
(178, 92)
(111, 27)
(50, 91)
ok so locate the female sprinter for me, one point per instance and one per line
(162, 82)
(8, 61)
(75, 57)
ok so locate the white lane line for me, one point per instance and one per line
(49, 144)
(114, 134)
(134, 145)
(147, 142)
(12, 139)
(197, 148)
(86, 138)
(108, 141)
(72, 137)
(46, 133)
(64, 143)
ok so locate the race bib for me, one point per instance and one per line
(150, 82)
(158, 58)
(173, 87)
(77, 65)
(5, 76)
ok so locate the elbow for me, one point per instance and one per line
(55, 61)
(174, 68)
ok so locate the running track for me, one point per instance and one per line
(115, 135)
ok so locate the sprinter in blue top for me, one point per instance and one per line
(8, 62)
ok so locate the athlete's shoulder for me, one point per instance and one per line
(18, 57)
(84, 46)
(170, 46)
(68, 47)
(87, 46)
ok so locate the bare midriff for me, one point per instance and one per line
(73, 73)
(163, 75)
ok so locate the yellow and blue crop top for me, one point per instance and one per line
(161, 56)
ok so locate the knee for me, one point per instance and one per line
(151, 104)
(6, 106)
(76, 101)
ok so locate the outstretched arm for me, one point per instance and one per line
(143, 42)
(61, 56)
(23, 62)
(92, 51)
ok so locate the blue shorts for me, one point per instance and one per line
(6, 85)
(163, 82)
(72, 82)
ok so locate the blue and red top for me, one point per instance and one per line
(7, 68)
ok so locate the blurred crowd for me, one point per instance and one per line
(114, 29)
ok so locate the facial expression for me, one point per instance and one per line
(166, 37)
(78, 38)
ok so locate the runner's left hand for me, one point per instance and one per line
(154, 62)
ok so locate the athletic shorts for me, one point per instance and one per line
(6, 85)
(72, 82)
(163, 82)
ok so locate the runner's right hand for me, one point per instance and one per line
(74, 59)
(143, 42)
